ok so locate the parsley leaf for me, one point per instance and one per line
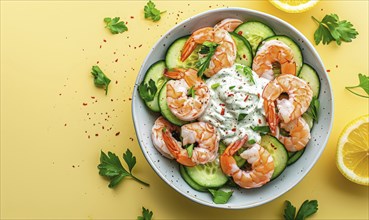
(111, 167)
(364, 84)
(216, 85)
(147, 91)
(220, 196)
(241, 116)
(245, 70)
(191, 92)
(151, 12)
(307, 209)
(261, 129)
(146, 214)
(208, 50)
(114, 26)
(289, 211)
(332, 29)
(100, 79)
(313, 109)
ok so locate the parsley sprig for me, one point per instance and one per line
(246, 71)
(332, 29)
(208, 50)
(148, 90)
(313, 110)
(363, 83)
(307, 209)
(151, 12)
(111, 167)
(100, 79)
(146, 214)
(114, 26)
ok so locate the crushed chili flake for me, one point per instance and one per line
(244, 56)
(233, 129)
(247, 97)
(229, 95)
(328, 71)
(222, 112)
(239, 33)
(258, 96)
(259, 121)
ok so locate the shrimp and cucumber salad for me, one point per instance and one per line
(235, 103)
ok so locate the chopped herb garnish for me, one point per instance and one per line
(220, 196)
(215, 85)
(207, 49)
(232, 87)
(313, 109)
(189, 149)
(146, 214)
(307, 209)
(191, 92)
(261, 129)
(114, 26)
(332, 29)
(245, 70)
(252, 141)
(147, 91)
(241, 116)
(363, 83)
(100, 79)
(151, 12)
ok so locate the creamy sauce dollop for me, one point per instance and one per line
(236, 104)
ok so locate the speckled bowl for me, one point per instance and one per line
(168, 170)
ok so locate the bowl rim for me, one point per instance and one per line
(267, 17)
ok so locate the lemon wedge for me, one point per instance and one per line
(294, 6)
(353, 151)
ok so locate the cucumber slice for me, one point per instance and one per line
(309, 120)
(278, 152)
(294, 47)
(190, 181)
(164, 109)
(156, 73)
(173, 56)
(255, 32)
(294, 156)
(311, 77)
(208, 175)
(244, 51)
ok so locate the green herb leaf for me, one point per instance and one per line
(332, 29)
(252, 141)
(111, 167)
(147, 91)
(307, 209)
(146, 214)
(191, 92)
(220, 196)
(246, 71)
(364, 84)
(289, 211)
(151, 12)
(114, 26)
(261, 129)
(313, 110)
(189, 149)
(100, 79)
(215, 85)
(231, 87)
(241, 116)
(207, 49)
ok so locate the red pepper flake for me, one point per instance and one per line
(247, 97)
(259, 121)
(84, 104)
(244, 56)
(126, 22)
(221, 104)
(116, 60)
(104, 40)
(240, 33)
(116, 134)
(229, 95)
(233, 129)
(328, 71)
(222, 112)
(258, 96)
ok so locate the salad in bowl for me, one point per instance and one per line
(227, 112)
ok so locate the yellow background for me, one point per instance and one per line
(49, 147)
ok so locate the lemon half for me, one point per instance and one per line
(353, 151)
(294, 6)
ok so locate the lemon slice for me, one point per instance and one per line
(353, 151)
(294, 6)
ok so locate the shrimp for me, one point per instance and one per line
(298, 101)
(274, 51)
(299, 134)
(161, 125)
(225, 53)
(262, 165)
(188, 96)
(205, 139)
(228, 24)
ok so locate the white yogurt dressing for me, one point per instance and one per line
(235, 97)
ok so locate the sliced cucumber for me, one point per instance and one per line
(294, 156)
(311, 77)
(244, 51)
(278, 152)
(309, 120)
(164, 109)
(173, 56)
(294, 47)
(255, 32)
(156, 73)
(208, 175)
(190, 181)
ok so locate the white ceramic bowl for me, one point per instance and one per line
(168, 169)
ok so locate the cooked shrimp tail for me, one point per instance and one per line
(228, 24)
